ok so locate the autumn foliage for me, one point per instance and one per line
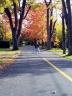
(6, 32)
(35, 28)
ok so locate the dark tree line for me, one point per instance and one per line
(49, 23)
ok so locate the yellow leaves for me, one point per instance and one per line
(16, 1)
(31, 3)
(55, 40)
(1, 9)
(8, 35)
(51, 17)
(56, 4)
(2, 1)
(6, 3)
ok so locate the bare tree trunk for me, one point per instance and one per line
(49, 25)
(16, 28)
(15, 41)
(67, 15)
(48, 32)
(69, 27)
(63, 35)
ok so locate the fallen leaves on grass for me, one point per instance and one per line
(7, 58)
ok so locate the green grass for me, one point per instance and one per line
(8, 52)
(1, 62)
(55, 50)
(58, 51)
(68, 57)
(1, 49)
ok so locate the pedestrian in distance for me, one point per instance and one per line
(37, 46)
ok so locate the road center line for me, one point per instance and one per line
(58, 70)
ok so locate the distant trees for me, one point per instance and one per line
(16, 12)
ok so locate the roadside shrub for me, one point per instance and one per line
(4, 44)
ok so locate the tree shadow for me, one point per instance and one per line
(34, 66)
(62, 63)
(24, 66)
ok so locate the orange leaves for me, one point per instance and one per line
(37, 23)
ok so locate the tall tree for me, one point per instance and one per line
(16, 24)
(49, 24)
(69, 27)
(67, 15)
(63, 34)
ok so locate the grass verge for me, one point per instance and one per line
(59, 52)
(1, 62)
(7, 57)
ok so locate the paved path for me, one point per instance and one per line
(31, 75)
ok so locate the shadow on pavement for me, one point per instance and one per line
(32, 64)
(32, 67)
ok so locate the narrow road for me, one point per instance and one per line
(37, 74)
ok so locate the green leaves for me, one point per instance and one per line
(32, 3)
(6, 4)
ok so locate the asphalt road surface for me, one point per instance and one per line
(37, 74)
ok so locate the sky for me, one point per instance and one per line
(39, 0)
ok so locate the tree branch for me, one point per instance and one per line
(15, 14)
(54, 24)
(21, 17)
(8, 13)
(65, 11)
(47, 3)
(27, 12)
(19, 2)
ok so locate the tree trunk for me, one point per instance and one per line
(48, 32)
(16, 26)
(51, 25)
(63, 35)
(67, 15)
(15, 41)
(69, 27)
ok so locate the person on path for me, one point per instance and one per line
(36, 44)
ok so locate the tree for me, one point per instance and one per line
(36, 27)
(67, 15)
(12, 11)
(63, 34)
(49, 27)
